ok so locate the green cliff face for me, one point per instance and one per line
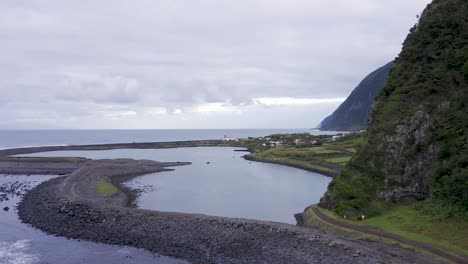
(416, 146)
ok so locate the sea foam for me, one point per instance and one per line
(16, 252)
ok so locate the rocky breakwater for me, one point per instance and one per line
(76, 207)
(98, 182)
(44, 166)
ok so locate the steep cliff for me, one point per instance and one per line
(416, 146)
(353, 114)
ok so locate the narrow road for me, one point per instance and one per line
(434, 249)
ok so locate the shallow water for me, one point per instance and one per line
(228, 186)
(22, 244)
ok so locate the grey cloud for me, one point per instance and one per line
(113, 89)
(177, 54)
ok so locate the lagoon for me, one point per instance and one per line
(219, 182)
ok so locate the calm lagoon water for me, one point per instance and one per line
(219, 182)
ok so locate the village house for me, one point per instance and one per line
(299, 142)
(277, 143)
(273, 144)
(337, 136)
(228, 138)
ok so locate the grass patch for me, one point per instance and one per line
(308, 155)
(312, 220)
(406, 221)
(339, 160)
(353, 150)
(105, 188)
(294, 152)
(409, 222)
(299, 163)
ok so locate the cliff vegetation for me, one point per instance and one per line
(416, 148)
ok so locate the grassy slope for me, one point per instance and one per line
(431, 70)
(340, 160)
(409, 221)
(328, 157)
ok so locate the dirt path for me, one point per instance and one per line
(434, 249)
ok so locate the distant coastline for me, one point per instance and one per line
(133, 145)
(5, 153)
(34, 138)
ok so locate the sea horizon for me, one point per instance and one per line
(20, 138)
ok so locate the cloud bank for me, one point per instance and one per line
(190, 64)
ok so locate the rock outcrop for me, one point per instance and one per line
(353, 114)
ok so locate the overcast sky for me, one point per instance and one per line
(190, 64)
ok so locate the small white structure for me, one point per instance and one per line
(275, 143)
(228, 138)
(339, 135)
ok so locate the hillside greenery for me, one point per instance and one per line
(326, 155)
(410, 220)
(426, 87)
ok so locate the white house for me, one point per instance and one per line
(228, 138)
(275, 143)
(339, 135)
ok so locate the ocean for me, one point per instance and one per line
(33, 138)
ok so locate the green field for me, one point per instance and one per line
(327, 157)
(300, 153)
(410, 222)
(352, 150)
(304, 164)
(339, 160)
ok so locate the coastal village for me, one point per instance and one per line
(326, 154)
(289, 140)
